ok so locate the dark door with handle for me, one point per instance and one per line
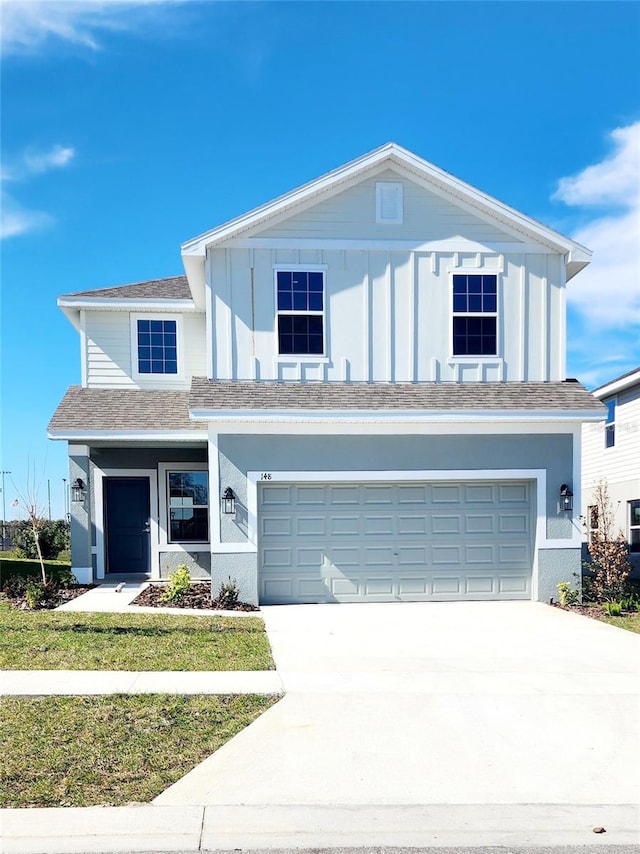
(127, 503)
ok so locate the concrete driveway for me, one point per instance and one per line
(436, 703)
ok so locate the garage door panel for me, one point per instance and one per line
(344, 526)
(479, 554)
(412, 525)
(441, 524)
(384, 542)
(480, 493)
(476, 523)
(305, 495)
(446, 494)
(310, 526)
(514, 523)
(445, 555)
(510, 493)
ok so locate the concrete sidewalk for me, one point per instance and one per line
(191, 829)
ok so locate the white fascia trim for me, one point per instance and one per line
(369, 416)
(107, 304)
(128, 435)
(408, 428)
(428, 172)
(618, 385)
(537, 475)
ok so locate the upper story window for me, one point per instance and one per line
(389, 202)
(475, 314)
(157, 346)
(610, 428)
(300, 306)
(634, 526)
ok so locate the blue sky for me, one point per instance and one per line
(129, 127)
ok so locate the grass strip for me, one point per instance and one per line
(630, 622)
(115, 750)
(55, 640)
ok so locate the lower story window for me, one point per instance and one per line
(634, 525)
(188, 493)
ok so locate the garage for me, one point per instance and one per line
(406, 541)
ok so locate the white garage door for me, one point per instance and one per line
(384, 542)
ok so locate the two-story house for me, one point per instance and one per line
(611, 452)
(356, 393)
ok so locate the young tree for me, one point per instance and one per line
(27, 502)
(609, 550)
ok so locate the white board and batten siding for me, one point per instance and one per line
(387, 316)
(388, 299)
(110, 362)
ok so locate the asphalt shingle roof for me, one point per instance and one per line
(175, 287)
(123, 409)
(208, 395)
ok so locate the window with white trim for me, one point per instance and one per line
(300, 312)
(610, 427)
(188, 506)
(634, 525)
(475, 314)
(156, 346)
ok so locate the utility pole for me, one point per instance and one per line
(4, 511)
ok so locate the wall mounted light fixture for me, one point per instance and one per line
(566, 497)
(228, 501)
(78, 490)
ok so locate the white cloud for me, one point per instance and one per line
(27, 25)
(41, 162)
(14, 218)
(607, 293)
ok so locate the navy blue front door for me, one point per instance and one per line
(127, 524)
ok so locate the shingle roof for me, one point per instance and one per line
(175, 287)
(211, 396)
(122, 409)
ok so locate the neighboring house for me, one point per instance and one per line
(371, 369)
(611, 452)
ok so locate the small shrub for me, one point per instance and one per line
(613, 609)
(228, 595)
(179, 583)
(567, 595)
(37, 594)
(609, 551)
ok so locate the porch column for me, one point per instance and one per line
(80, 515)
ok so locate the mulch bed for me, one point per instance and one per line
(60, 597)
(198, 597)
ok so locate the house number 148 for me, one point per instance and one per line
(266, 475)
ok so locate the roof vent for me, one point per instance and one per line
(389, 202)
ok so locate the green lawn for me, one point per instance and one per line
(86, 751)
(54, 640)
(631, 622)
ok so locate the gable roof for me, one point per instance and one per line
(212, 399)
(93, 411)
(173, 294)
(420, 170)
(174, 287)
(620, 383)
